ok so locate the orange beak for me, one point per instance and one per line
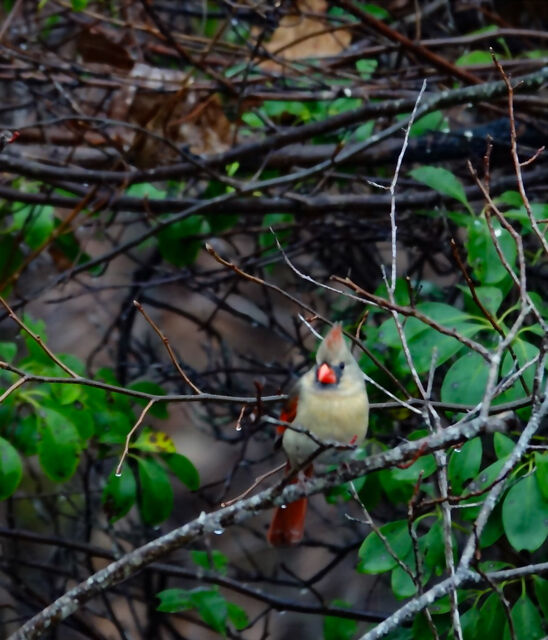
(326, 375)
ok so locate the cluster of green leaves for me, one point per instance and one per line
(521, 515)
(212, 607)
(464, 370)
(57, 421)
(520, 518)
(30, 229)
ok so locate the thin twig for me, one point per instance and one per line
(118, 471)
(165, 341)
(394, 182)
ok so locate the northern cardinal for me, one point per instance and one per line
(330, 402)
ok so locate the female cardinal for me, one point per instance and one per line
(330, 402)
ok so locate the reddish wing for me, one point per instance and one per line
(288, 412)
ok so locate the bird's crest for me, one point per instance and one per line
(333, 345)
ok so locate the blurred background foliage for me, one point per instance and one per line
(271, 131)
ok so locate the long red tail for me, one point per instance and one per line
(287, 526)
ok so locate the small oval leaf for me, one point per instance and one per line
(183, 468)
(59, 447)
(525, 515)
(156, 502)
(373, 553)
(11, 469)
(464, 463)
(119, 494)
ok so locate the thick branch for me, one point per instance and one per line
(240, 512)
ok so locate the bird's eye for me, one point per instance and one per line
(341, 366)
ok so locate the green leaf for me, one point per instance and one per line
(541, 591)
(481, 483)
(525, 352)
(432, 546)
(80, 418)
(492, 618)
(374, 557)
(153, 441)
(525, 515)
(442, 313)
(73, 363)
(174, 600)
(401, 583)
(479, 57)
(464, 463)
(494, 565)
(25, 436)
(441, 180)
(493, 529)
(503, 445)
(482, 255)
(433, 121)
(209, 603)
(11, 469)
(511, 198)
(252, 120)
(232, 168)
(343, 104)
(398, 484)
(366, 67)
(422, 339)
(158, 409)
(422, 345)
(237, 616)
(59, 447)
(211, 560)
(8, 351)
(541, 463)
(375, 10)
(276, 108)
(465, 381)
(469, 621)
(175, 241)
(335, 628)
(212, 607)
(421, 626)
(490, 297)
(539, 211)
(36, 223)
(66, 393)
(119, 494)
(183, 468)
(36, 353)
(401, 294)
(371, 490)
(527, 621)
(146, 190)
(363, 132)
(111, 427)
(441, 606)
(156, 502)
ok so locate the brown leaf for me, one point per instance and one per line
(187, 117)
(304, 36)
(97, 47)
